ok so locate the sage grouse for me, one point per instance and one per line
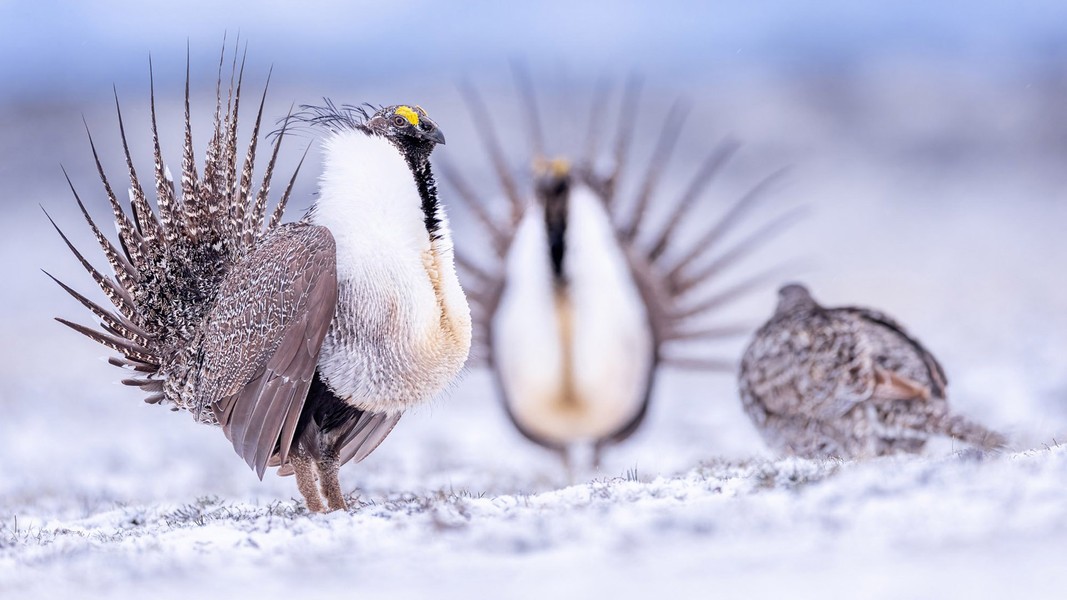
(304, 341)
(578, 309)
(846, 382)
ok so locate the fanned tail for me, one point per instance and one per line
(169, 261)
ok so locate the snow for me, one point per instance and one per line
(114, 498)
(960, 524)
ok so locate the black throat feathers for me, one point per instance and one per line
(555, 193)
(417, 154)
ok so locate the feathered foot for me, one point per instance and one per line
(316, 478)
(331, 486)
(306, 479)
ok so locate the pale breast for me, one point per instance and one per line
(574, 362)
(402, 328)
(393, 343)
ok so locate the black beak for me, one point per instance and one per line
(434, 136)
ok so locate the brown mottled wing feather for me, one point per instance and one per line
(937, 374)
(263, 339)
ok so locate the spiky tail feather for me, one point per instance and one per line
(168, 266)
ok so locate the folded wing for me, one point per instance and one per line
(262, 339)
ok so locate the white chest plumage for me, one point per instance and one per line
(574, 361)
(402, 329)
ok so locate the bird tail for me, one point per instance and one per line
(967, 431)
(170, 262)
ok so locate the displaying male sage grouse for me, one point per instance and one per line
(578, 308)
(304, 341)
(846, 382)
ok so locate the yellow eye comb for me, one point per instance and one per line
(409, 114)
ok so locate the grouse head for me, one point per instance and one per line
(794, 297)
(552, 180)
(408, 127)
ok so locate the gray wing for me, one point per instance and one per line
(937, 379)
(263, 337)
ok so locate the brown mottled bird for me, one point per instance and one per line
(305, 342)
(846, 382)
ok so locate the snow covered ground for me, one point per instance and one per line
(938, 196)
(454, 506)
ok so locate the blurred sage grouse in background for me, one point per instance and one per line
(846, 382)
(579, 300)
(304, 341)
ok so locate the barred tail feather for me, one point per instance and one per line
(134, 365)
(169, 215)
(126, 347)
(279, 209)
(229, 190)
(111, 322)
(117, 294)
(253, 225)
(143, 217)
(126, 273)
(129, 238)
(189, 174)
(239, 208)
(204, 208)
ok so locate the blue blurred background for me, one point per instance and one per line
(68, 46)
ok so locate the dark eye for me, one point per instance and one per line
(399, 121)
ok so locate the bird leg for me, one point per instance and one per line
(306, 477)
(568, 464)
(598, 454)
(331, 486)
